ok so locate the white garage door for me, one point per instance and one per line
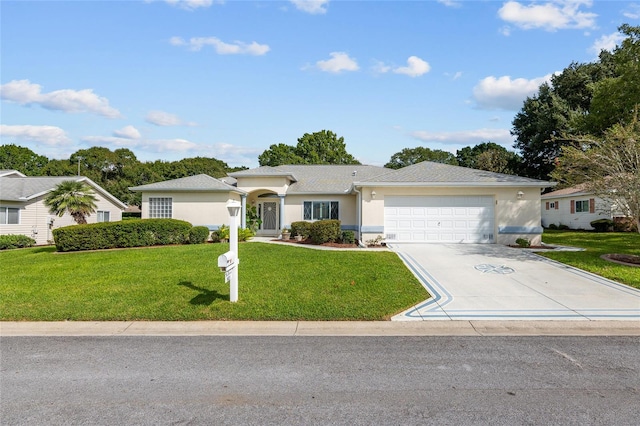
(459, 219)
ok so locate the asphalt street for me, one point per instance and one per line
(263, 380)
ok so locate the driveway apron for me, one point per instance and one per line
(488, 281)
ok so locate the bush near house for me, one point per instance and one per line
(348, 237)
(106, 235)
(198, 235)
(602, 225)
(8, 242)
(301, 228)
(325, 231)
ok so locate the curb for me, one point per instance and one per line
(321, 328)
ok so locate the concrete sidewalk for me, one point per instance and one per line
(321, 328)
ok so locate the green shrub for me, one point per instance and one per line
(325, 231)
(552, 226)
(624, 224)
(221, 234)
(8, 242)
(348, 237)
(602, 225)
(131, 233)
(523, 242)
(245, 234)
(198, 235)
(563, 227)
(301, 228)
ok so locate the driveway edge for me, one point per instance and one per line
(321, 328)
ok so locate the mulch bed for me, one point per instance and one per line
(624, 259)
(309, 242)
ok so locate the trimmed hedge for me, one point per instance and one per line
(348, 237)
(8, 242)
(602, 225)
(198, 235)
(134, 233)
(301, 228)
(325, 231)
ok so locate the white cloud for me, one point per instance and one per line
(48, 135)
(415, 67)
(222, 48)
(504, 92)
(465, 137)
(24, 92)
(606, 42)
(380, 67)
(313, 7)
(153, 145)
(127, 132)
(633, 11)
(161, 118)
(339, 62)
(451, 3)
(189, 4)
(550, 16)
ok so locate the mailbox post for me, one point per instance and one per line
(234, 209)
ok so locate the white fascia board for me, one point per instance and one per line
(459, 184)
(573, 195)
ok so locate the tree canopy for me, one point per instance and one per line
(607, 165)
(323, 147)
(489, 156)
(584, 98)
(409, 156)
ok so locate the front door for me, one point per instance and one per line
(269, 216)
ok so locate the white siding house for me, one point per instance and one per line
(22, 209)
(574, 208)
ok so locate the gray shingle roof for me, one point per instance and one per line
(26, 188)
(316, 179)
(578, 189)
(200, 182)
(437, 173)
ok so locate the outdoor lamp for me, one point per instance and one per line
(520, 195)
(233, 207)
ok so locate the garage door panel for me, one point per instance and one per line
(467, 219)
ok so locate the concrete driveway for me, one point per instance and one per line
(489, 281)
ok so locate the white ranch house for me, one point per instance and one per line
(575, 208)
(22, 209)
(425, 202)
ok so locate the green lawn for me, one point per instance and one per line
(183, 283)
(597, 244)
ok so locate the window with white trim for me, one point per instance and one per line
(103, 216)
(582, 206)
(320, 210)
(552, 205)
(160, 207)
(9, 216)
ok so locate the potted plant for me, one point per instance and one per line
(286, 234)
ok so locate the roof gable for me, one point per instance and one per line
(201, 182)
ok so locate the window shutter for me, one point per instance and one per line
(557, 204)
(547, 206)
(592, 205)
(573, 206)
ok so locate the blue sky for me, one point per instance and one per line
(171, 79)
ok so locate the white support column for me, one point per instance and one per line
(281, 211)
(243, 211)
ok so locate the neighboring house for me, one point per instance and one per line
(575, 208)
(425, 202)
(22, 209)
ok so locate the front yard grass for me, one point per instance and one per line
(184, 283)
(597, 244)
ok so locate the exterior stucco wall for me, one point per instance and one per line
(35, 217)
(276, 185)
(511, 214)
(578, 220)
(293, 206)
(198, 208)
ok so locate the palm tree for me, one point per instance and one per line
(74, 197)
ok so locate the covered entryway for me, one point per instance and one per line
(447, 219)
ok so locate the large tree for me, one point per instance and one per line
(409, 156)
(75, 197)
(489, 156)
(14, 157)
(607, 165)
(323, 147)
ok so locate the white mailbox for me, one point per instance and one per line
(227, 261)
